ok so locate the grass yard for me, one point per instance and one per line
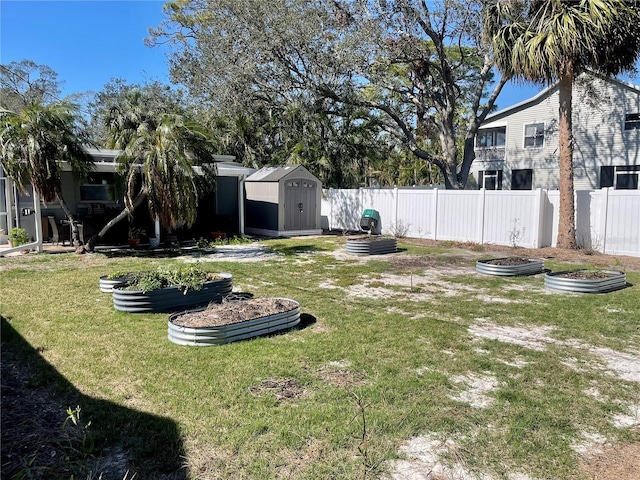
(405, 366)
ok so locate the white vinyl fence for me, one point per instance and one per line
(607, 220)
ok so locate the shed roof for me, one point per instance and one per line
(275, 174)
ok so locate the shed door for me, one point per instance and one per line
(300, 204)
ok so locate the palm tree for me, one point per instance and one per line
(158, 154)
(33, 144)
(556, 40)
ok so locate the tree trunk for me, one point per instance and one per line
(95, 239)
(450, 154)
(468, 156)
(75, 237)
(566, 221)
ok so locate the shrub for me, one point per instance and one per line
(18, 236)
(187, 278)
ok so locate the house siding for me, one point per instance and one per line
(599, 109)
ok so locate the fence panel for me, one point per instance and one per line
(416, 213)
(459, 215)
(622, 222)
(607, 220)
(589, 211)
(384, 201)
(510, 218)
(342, 205)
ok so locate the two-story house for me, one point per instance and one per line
(517, 148)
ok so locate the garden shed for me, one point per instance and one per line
(283, 201)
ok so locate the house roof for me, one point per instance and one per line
(105, 161)
(108, 155)
(274, 174)
(549, 91)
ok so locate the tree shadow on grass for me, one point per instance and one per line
(290, 251)
(140, 252)
(117, 442)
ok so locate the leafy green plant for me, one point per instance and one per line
(18, 236)
(187, 278)
(118, 274)
(148, 281)
(85, 442)
(135, 232)
(203, 243)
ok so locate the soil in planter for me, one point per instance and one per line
(372, 238)
(509, 261)
(585, 275)
(228, 313)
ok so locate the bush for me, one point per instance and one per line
(18, 236)
(189, 278)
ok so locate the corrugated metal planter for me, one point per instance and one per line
(509, 266)
(107, 284)
(217, 335)
(585, 281)
(171, 299)
(371, 245)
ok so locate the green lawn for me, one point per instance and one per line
(490, 375)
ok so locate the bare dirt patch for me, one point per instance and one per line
(617, 462)
(477, 389)
(339, 375)
(430, 458)
(283, 389)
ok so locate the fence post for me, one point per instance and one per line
(538, 218)
(395, 207)
(480, 233)
(604, 218)
(434, 214)
(330, 198)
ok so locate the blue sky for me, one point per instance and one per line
(89, 42)
(86, 42)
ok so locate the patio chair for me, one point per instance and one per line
(58, 234)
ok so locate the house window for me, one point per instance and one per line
(490, 179)
(99, 188)
(625, 177)
(522, 179)
(632, 121)
(97, 193)
(491, 137)
(534, 135)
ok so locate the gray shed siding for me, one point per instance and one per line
(262, 210)
(267, 208)
(599, 135)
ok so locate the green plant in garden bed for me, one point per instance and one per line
(187, 278)
(283, 406)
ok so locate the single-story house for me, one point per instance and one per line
(99, 198)
(517, 148)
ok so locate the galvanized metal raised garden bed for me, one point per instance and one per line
(585, 281)
(371, 245)
(107, 284)
(204, 336)
(171, 299)
(509, 266)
